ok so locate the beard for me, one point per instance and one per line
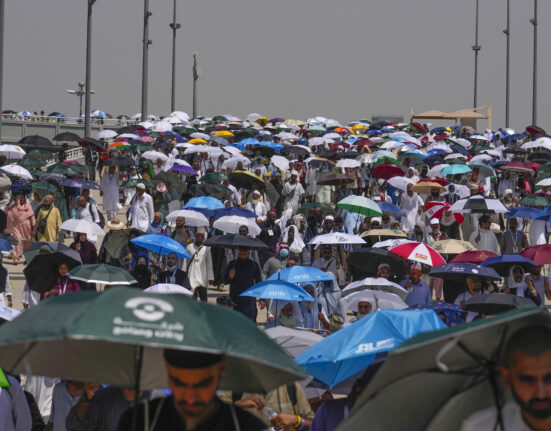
(288, 321)
(362, 315)
(529, 407)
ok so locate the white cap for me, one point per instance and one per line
(256, 192)
(416, 266)
(507, 192)
(379, 219)
(294, 173)
(140, 186)
(329, 217)
(434, 221)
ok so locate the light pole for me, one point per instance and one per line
(507, 32)
(196, 73)
(88, 69)
(80, 92)
(534, 22)
(174, 26)
(146, 42)
(2, 3)
(476, 47)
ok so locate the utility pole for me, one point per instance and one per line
(145, 65)
(196, 73)
(174, 26)
(534, 22)
(88, 69)
(2, 9)
(476, 47)
(507, 32)
(80, 93)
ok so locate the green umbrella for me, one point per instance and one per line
(68, 169)
(103, 274)
(118, 337)
(44, 186)
(361, 205)
(116, 241)
(172, 182)
(133, 182)
(36, 172)
(304, 209)
(30, 163)
(534, 201)
(384, 160)
(214, 177)
(452, 373)
(40, 154)
(184, 130)
(141, 147)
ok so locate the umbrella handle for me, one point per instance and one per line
(445, 349)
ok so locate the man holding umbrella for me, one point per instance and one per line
(241, 274)
(484, 238)
(199, 267)
(418, 290)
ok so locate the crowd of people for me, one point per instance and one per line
(395, 215)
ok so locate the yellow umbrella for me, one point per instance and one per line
(358, 127)
(224, 134)
(197, 141)
(263, 121)
(425, 187)
(452, 246)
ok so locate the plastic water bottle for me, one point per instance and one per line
(271, 413)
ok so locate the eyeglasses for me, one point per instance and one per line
(363, 306)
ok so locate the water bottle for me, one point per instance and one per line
(271, 413)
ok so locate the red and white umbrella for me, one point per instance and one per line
(436, 209)
(419, 252)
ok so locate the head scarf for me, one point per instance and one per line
(298, 244)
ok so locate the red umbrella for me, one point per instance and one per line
(419, 127)
(517, 166)
(336, 145)
(362, 142)
(442, 181)
(436, 209)
(476, 256)
(541, 254)
(441, 137)
(419, 252)
(387, 171)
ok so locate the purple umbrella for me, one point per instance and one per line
(79, 183)
(186, 170)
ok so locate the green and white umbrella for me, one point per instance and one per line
(102, 273)
(118, 337)
(361, 205)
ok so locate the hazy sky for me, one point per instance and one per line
(345, 59)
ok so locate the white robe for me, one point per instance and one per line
(488, 241)
(110, 187)
(409, 206)
(292, 194)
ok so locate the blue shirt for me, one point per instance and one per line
(419, 293)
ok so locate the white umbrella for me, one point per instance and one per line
(129, 136)
(192, 218)
(211, 151)
(293, 341)
(146, 125)
(400, 182)
(455, 156)
(374, 283)
(286, 136)
(168, 288)
(478, 204)
(280, 162)
(81, 226)
(106, 134)
(8, 313)
(462, 190)
(332, 135)
(17, 171)
(337, 238)
(391, 243)
(12, 152)
(543, 142)
(232, 150)
(180, 114)
(544, 183)
(348, 163)
(435, 170)
(232, 162)
(154, 155)
(481, 158)
(162, 126)
(231, 224)
(378, 298)
(199, 135)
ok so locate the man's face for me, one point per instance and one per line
(243, 254)
(474, 284)
(329, 224)
(414, 274)
(194, 390)
(81, 202)
(112, 169)
(513, 224)
(172, 260)
(435, 227)
(270, 218)
(485, 225)
(517, 275)
(157, 218)
(243, 231)
(384, 272)
(139, 191)
(435, 191)
(375, 225)
(180, 222)
(386, 219)
(287, 310)
(410, 189)
(529, 378)
(364, 308)
(327, 254)
(199, 237)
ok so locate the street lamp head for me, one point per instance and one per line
(71, 92)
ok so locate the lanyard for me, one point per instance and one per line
(64, 288)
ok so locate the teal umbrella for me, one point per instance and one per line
(455, 170)
(118, 337)
(103, 274)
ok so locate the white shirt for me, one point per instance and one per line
(484, 420)
(259, 209)
(110, 188)
(86, 214)
(488, 241)
(14, 408)
(537, 232)
(199, 269)
(235, 198)
(141, 212)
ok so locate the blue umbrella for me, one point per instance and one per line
(278, 289)
(436, 151)
(503, 264)
(544, 214)
(352, 349)
(455, 170)
(458, 271)
(249, 141)
(207, 213)
(438, 130)
(456, 148)
(5, 246)
(524, 212)
(97, 113)
(204, 202)
(301, 274)
(453, 312)
(161, 244)
(232, 211)
(390, 209)
(79, 183)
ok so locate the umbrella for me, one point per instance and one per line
(192, 218)
(378, 235)
(293, 341)
(154, 155)
(231, 224)
(168, 288)
(40, 154)
(352, 349)
(380, 299)
(452, 246)
(457, 272)
(390, 243)
(7, 314)
(29, 163)
(205, 202)
(122, 162)
(461, 363)
(476, 256)
(8, 237)
(478, 204)
(81, 226)
(301, 274)
(17, 171)
(67, 137)
(310, 206)
(425, 187)
(214, 177)
(455, 170)
(278, 289)
(535, 201)
(484, 169)
(400, 182)
(453, 313)
(495, 303)
(334, 179)
(35, 247)
(361, 205)
(524, 212)
(246, 180)
(442, 181)
(44, 267)
(106, 134)
(517, 166)
(5, 246)
(35, 141)
(336, 238)
(387, 170)
(116, 241)
(419, 252)
(503, 264)
(390, 209)
(233, 211)
(161, 244)
(93, 144)
(539, 254)
(379, 284)
(183, 169)
(108, 335)
(12, 152)
(215, 191)
(102, 273)
(67, 169)
(79, 183)
(235, 241)
(436, 209)
(133, 182)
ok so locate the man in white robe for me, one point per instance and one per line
(110, 192)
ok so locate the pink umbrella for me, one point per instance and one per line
(419, 252)
(541, 254)
(146, 138)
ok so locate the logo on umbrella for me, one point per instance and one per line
(387, 343)
(149, 309)
(421, 256)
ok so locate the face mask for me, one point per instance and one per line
(283, 253)
(171, 268)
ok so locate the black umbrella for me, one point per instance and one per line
(246, 180)
(44, 267)
(540, 155)
(235, 241)
(334, 179)
(290, 149)
(172, 182)
(215, 191)
(367, 259)
(53, 246)
(495, 303)
(67, 136)
(92, 143)
(35, 141)
(129, 129)
(120, 161)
